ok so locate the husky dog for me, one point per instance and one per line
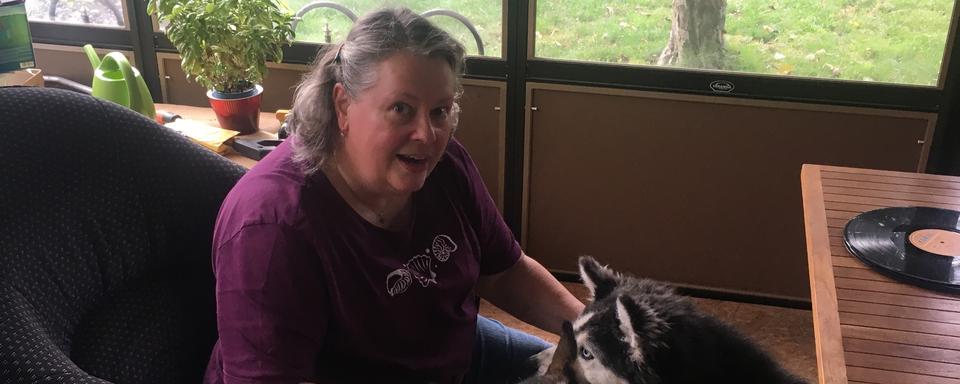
(639, 331)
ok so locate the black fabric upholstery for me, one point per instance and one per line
(105, 238)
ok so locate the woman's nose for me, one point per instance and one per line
(424, 130)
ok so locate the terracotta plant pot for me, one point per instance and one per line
(237, 111)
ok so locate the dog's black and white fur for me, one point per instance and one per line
(640, 331)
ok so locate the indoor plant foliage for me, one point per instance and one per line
(225, 44)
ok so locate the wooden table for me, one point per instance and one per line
(269, 125)
(870, 328)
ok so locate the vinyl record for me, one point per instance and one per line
(917, 245)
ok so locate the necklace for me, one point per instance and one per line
(374, 216)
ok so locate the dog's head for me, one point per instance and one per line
(612, 338)
(559, 365)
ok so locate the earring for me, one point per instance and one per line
(343, 133)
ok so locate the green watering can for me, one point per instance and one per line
(116, 80)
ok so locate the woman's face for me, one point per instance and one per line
(396, 131)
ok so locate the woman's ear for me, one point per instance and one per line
(341, 102)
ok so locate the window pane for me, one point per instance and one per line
(892, 41)
(103, 13)
(322, 25)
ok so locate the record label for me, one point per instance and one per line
(937, 241)
(916, 245)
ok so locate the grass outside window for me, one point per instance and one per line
(891, 41)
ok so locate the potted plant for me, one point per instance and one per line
(224, 46)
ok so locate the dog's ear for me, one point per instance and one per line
(599, 279)
(638, 322)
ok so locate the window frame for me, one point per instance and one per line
(746, 84)
(124, 10)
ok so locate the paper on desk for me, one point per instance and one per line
(211, 137)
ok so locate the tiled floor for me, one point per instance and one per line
(787, 334)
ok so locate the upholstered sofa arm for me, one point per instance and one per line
(27, 352)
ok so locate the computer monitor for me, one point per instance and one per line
(16, 45)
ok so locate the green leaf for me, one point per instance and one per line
(225, 44)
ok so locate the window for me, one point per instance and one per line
(890, 41)
(101, 13)
(328, 24)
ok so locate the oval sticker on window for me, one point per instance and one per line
(721, 86)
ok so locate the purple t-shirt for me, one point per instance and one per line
(307, 290)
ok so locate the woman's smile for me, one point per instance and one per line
(414, 163)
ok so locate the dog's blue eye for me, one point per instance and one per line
(585, 354)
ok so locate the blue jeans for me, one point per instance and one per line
(502, 354)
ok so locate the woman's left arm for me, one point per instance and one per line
(529, 292)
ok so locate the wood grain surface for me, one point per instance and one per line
(870, 328)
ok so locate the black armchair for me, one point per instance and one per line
(105, 230)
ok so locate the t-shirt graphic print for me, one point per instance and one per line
(420, 267)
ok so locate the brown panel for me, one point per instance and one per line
(282, 83)
(480, 132)
(69, 62)
(839, 250)
(901, 337)
(883, 203)
(847, 262)
(880, 376)
(906, 325)
(834, 222)
(853, 207)
(845, 215)
(921, 367)
(902, 300)
(899, 311)
(886, 177)
(919, 197)
(279, 85)
(860, 273)
(178, 90)
(890, 287)
(692, 192)
(901, 350)
(913, 189)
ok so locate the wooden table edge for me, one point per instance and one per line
(268, 128)
(831, 364)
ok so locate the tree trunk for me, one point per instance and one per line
(696, 36)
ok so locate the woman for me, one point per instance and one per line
(356, 251)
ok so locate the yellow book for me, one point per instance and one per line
(210, 137)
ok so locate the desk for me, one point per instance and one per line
(268, 127)
(870, 328)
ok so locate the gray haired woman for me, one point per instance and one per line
(358, 250)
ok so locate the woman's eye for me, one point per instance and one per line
(400, 108)
(585, 354)
(441, 112)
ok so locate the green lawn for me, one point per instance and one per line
(896, 41)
